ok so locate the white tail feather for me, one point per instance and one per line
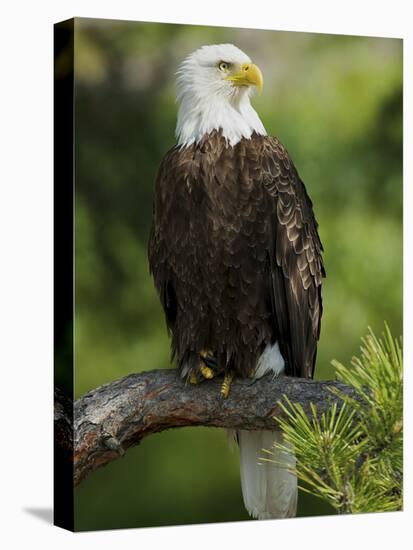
(269, 490)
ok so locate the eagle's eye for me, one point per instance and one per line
(223, 66)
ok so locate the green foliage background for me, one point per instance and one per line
(336, 104)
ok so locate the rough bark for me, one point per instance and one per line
(112, 418)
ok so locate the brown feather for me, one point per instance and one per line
(235, 254)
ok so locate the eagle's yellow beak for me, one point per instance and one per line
(248, 75)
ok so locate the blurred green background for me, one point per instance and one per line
(336, 104)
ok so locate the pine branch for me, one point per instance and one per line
(112, 418)
(353, 458)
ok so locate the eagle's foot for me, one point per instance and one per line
(226, 385)
(206, 372)
(251, 373)
(193, 378)
(208, 361)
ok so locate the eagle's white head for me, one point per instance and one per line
(214, 88)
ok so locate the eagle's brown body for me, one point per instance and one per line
(235, 254)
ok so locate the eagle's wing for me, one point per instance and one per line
(296, 262)
(157, 249)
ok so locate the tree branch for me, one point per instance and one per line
(112, 418)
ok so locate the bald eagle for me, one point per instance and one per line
(235, 253)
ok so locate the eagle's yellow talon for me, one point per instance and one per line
(193, 379)
(226, 385)
(206, 372)
(205, 352)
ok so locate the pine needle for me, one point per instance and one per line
(352, 455)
